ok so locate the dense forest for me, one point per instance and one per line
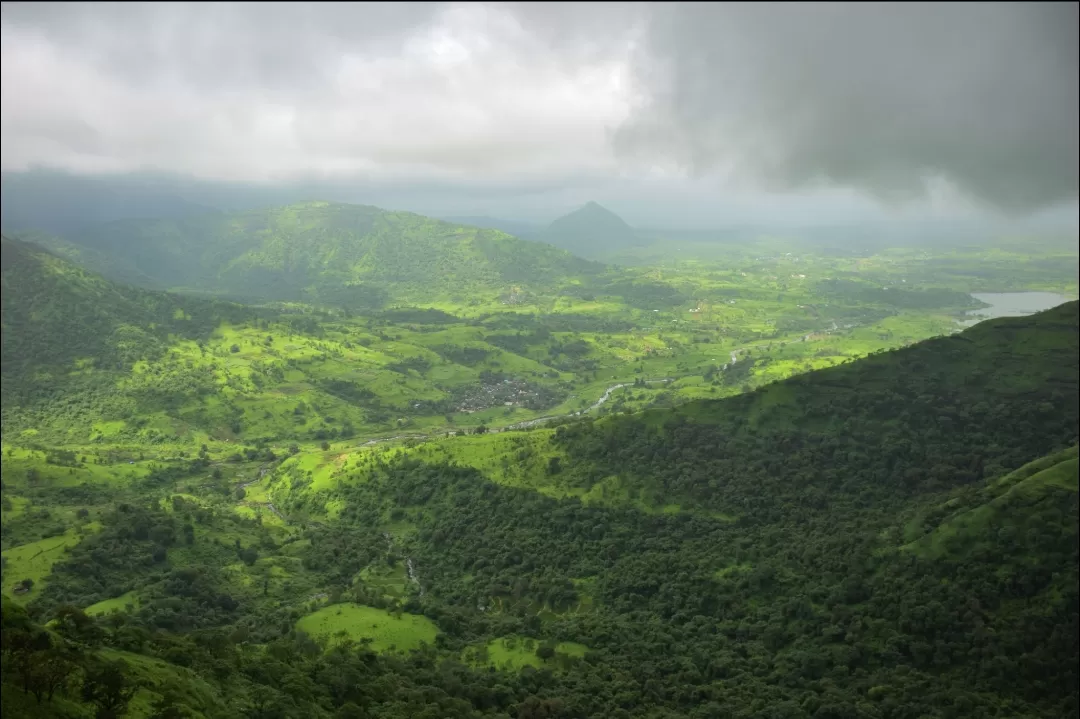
(894, 537)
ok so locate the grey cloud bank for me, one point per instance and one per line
(706, 111)
(883, 97)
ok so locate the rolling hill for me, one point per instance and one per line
(351, 256)
(59, 317)
(88, 359)
(892, 537)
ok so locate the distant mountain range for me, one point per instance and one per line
(589, 231)
(354, 256)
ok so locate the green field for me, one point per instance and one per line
(118, 604)
(380, 629)
(515, 653)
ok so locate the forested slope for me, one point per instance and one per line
(892, 538)
(55, 314)
(354, 256)
(941, 413)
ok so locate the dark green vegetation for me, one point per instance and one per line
(892, 537)
(334, 506)
(350, 256)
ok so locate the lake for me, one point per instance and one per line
(1012, 304)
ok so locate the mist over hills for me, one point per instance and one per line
(590, 231)
(517, 228)
(330, 253)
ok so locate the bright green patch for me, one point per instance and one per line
(35, 560)
(116, 604)
(358, 623)
(515, 653)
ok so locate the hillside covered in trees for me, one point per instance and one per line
(894, 537)
(352, 256)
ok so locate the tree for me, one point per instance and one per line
(55, 669)
(75, 625)
(107, 688)
(170, 706)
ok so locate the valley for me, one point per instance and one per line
(754, 469)
(539, 361)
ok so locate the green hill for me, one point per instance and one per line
(926, 416)
(1023, 503)
(89, 360)
(57, 317)
(893, 537)
(327, 253)
(590, 231)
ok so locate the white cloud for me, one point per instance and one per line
(470, 92)
(873, 97)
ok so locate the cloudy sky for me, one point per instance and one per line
(719, 112)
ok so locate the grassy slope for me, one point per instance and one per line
(357, 622)
(56, 313)
(1001, 361)
(349, 255)
(1011, 504)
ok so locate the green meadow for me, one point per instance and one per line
(381, 630)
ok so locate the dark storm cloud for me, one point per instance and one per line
(893, 99)
(874, 96)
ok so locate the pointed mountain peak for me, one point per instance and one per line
(591, 229)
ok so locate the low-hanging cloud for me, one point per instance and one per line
(888, 99)
(881, 97)
(252, 91)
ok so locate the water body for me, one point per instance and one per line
(1012, 304)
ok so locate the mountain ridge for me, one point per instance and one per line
(356, 256)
